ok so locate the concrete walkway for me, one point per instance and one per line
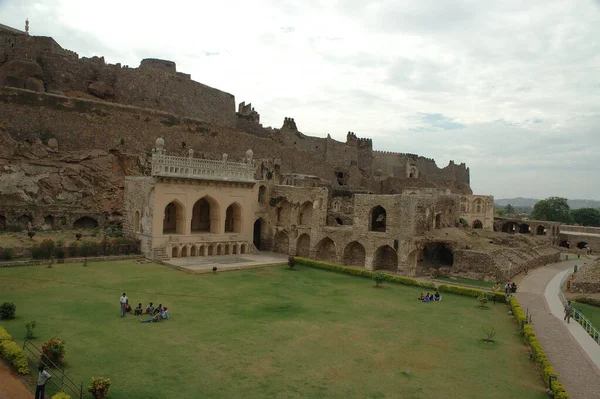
(204, 264)
(573, 356)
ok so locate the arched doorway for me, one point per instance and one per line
(174, 218)
(524, 228)
(184, 251)
(378, 219)
(303, 246)
(282, 243)
(284, 212)
(540, 230)
(435, 255)
(258, 229)
(193, 251)
(85, 222)
(210, 250)
(477, 224)
(326, 250)
(244, 248)
(227, 249)
(233, 218)
(509, 227)
(385, 259)
(354, 254)
(175, 252)
(205, 216)
(305, 214)
(49, 222)
(438, 221)
(23, 221)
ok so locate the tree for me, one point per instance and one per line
(586, 216)
(553, 209)
(509, 210)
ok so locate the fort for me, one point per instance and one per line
(172, 161)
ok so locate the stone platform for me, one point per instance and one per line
(204, 264)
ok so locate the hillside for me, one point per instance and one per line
(530, 202)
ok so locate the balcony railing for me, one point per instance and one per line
(201, 169)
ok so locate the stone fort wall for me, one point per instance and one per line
(156, 84)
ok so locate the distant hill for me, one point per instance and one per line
(530, 202)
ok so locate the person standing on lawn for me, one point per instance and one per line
(123, 301)
(43, 376)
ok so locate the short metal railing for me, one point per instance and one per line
(578, 316)
(59, 378)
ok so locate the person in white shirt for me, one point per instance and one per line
(43, 376)
(123, 301)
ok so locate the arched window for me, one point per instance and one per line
(438, 221)
(233, 218)
(478, 205)
(378, 219)
(305, 215)
(85, 222)
(284, 212)
(463, 204)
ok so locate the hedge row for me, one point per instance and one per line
(13, 352)
(451, 289)
(536, 348)
(362, 273)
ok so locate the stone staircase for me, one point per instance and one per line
(160, 254)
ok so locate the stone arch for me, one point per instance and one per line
(23, 221)
(305, 214)
(175, 252)
(136, 222)
(2, 222)
(281, 243)
(85, 222)
(524, 228)
(412, 173)
(284, 212)
(582, 244)
(233, 218)
(184, 251)
(219, 249)
(303, 246)
(193, 250)
(206, 216)
(438, 221)
(477, 224)
(385, 259)
(478, 205)
(339, 221)
(326, 250)
(234, 249)
(49, 222)
(244, 248)
(436, 255)
(174, 218)
(210, 250)
(202, 250)
(540, 230)
(262, 194)
(378, 219)
(354, 254)
(227, 249)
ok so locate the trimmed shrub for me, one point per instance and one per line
(379, 278)
(30, 326)
(6, 253)
(451, 289)
(13, 353)
(60, 395)
(362, 273)
(7, 310)
(291, 262)
(47, 248)
(539, 356)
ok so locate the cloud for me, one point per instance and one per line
(511, 88)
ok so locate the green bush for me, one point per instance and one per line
(60, 395)
(451, 289)
(7, 310)
(12, 352)
(362, 273)
(47, 248)
(378, 277)
(6, 253)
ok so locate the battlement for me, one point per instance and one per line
(289, 123)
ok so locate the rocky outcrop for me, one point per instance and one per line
(587, 279)
(101, 90)
(34, 173)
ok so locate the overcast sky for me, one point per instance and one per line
(511, 88)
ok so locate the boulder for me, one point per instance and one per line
(22, 74)
(101, 90)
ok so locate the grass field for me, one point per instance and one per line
(591, 312)
(271, 332)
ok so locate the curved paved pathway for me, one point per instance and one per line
(576, 369)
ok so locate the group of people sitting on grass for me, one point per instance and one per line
(156, 313)
(430, 297)
(510, 287)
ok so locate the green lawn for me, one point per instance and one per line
(269, 333)
(591, 312)
(467, 281)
